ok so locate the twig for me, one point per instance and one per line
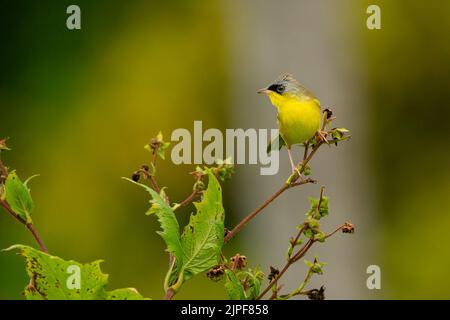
(332, 233)
(189, 199)
(29, 226)
(294, 183)
(300, 254)
(288, 264)
(151, 177)
(37, 237)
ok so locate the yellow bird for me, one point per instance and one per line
(298, 115)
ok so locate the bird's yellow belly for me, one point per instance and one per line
(298, 121)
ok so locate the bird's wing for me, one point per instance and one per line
(277, 142)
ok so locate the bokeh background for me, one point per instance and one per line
(78, 107)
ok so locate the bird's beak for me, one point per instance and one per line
(263, 91)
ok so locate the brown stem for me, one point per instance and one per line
(169, 294)
(294, 259)
(305, 153)
(289, 263)
(154, 183)
(332, 233)
(303, 251)
(152, 178)
(37, 237)
(189, 199)
(29, 226)
(275, 195)
(249, 217)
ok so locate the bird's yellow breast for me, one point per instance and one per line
(298, 119)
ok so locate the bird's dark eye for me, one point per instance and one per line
(280, 88)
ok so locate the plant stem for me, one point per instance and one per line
(152, 177)
(29, 226)
(255, 212)
(288, 264)
(169, 294)
(37, 237)
(249, 217)
(332, 233)
(189, 199)
(301, 253)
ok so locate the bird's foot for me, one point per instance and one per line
(322, 136)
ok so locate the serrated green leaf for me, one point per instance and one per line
(233, 286)
(52, 278)
(170, 228)
(18, 197)
(202, 238)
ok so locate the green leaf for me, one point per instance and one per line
(158, 144)
(233, 286)
(202, 238)
(124, 294)
(224, 169)
(253, 279)
(339, 134)
(278, 143)
(170, 228)
(53, 278)
(29, 179)
(316, 266)
(314, 211)
(320, 236)
(18, 197)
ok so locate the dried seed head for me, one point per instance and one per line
(135, 176)
(274, 272)
(348, 228)
(329, 113)
(316, 294)
(216, 273)
(239, 262)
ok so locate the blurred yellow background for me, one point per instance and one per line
(80, 105)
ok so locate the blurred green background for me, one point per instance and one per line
(80, 105)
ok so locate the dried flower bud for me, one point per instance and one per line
(239, 262)
(274, 272)
(316, 294)
(348, 228)
(216, 273)
(145, 167)
(329, 113)
(135, 176)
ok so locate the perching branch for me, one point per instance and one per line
(293, 179)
